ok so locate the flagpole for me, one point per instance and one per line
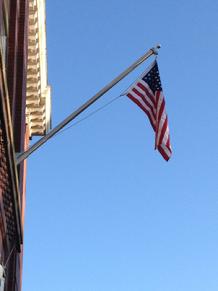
(22, 156)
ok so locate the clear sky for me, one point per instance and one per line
(104, 211)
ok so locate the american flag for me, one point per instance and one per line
(147, 93)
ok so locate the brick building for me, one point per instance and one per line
(24, 112)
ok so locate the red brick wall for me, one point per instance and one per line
(16, 68)
(7, 216)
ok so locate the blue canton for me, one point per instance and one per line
(152, 78)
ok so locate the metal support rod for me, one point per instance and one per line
(21, 157)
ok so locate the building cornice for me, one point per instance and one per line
(38, 101)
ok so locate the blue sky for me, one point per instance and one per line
(104, 210)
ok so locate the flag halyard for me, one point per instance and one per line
(147, 93)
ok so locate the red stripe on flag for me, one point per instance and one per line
(143, 108)
(162, 131)
(161, 110)
(145, 101)
(163, 153)
(151, 97)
